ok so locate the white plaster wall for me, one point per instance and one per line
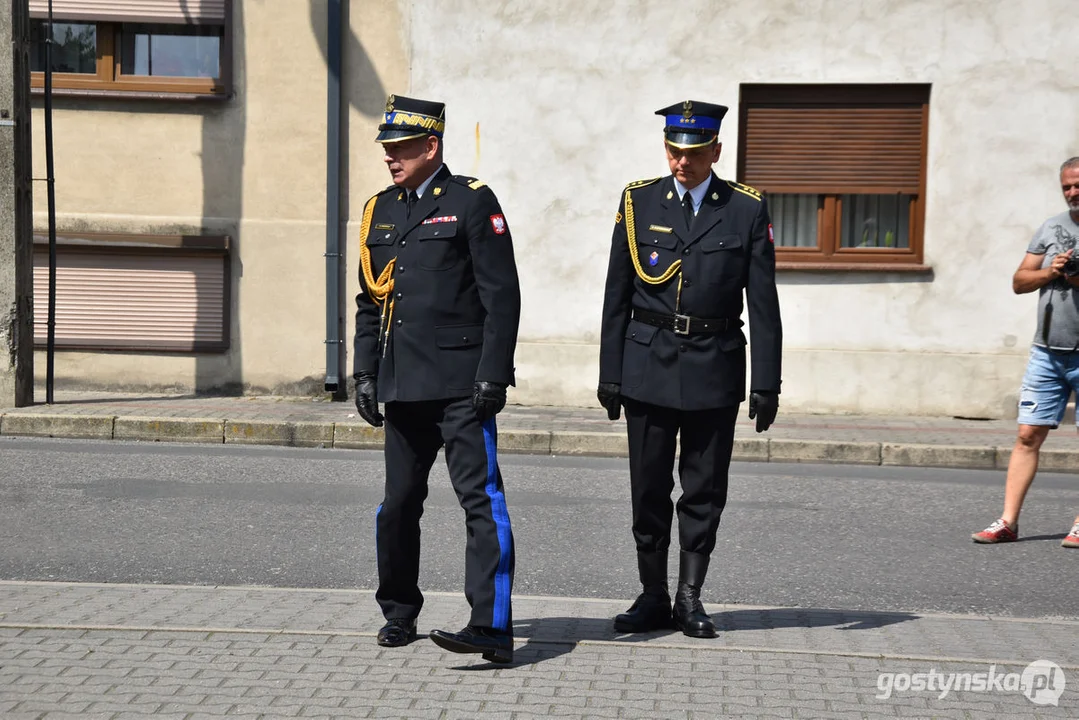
(551, 102)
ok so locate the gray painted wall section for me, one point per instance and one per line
(551, 103)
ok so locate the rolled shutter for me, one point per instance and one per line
(834, 139)
(196, 12)
(136, 301)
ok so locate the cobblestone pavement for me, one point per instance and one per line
(133, 651)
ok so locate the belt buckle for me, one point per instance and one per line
(681, 324)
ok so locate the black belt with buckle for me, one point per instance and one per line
(683, 324)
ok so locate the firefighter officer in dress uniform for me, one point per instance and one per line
(672, 354)
(436, 328)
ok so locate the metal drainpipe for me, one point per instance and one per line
(335, 321)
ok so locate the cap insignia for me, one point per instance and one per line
(687, 109)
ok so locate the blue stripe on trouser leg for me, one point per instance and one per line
(500, 513)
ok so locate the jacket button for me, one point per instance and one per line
(387, 236)
(721, 243)
(681, 348)
(403, 243)
(400, 268)
(686, 251)
(436, 232)
(655, 242)
(633, 334)
(464, 339)
(398, 323)
(398, 296)
(688, 283)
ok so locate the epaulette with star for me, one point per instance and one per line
(641, 183)
(745, 189)
(470, 182)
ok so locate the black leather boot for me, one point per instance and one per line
(652, 608)
(689, 615)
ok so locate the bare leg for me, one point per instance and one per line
(1021, 469)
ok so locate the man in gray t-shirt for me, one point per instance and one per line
(1058, 300)
(1053, 369)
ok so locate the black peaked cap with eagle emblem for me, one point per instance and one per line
(408, 118)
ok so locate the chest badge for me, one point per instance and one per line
(653, 258)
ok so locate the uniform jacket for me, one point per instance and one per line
(456, 301)
(728, 252)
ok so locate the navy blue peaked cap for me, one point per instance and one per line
(691, 123)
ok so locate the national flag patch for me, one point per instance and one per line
(440, 219)
(771, 235)
(498, 223)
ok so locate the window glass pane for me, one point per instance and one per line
(74, 48)
(171, 50)
(794, 219)
(876, 221)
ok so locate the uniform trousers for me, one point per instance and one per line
(415, 431)
(707, 439)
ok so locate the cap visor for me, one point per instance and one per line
(392, 136)
(685, 141)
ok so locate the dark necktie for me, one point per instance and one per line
(687, 209)
(410, 202)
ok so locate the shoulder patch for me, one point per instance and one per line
(745, 189)
(642, 183)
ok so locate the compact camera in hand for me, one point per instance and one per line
(1071, 266)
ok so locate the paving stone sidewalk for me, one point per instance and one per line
(136, 651)
(320, 422)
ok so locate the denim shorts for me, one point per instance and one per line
(1047, 386)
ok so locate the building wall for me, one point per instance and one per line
(253, 167)
(563, 94)
(551, 103)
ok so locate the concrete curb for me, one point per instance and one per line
(530, 442)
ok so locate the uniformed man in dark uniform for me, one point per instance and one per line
(672, 354)
(436, 328)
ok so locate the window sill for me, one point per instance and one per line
(132, 95)
(847, 267)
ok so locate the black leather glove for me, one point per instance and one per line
(367, 398)
(610, 397)
(488, 398)
(763, 405)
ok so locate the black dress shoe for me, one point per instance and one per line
(495, 646)
(689, 614)
(651, 611)
(398, 632)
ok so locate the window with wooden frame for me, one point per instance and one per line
(843, 168)
(134, 292)
(158, 48)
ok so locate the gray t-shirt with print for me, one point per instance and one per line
(1058, 302)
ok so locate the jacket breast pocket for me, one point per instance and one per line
(636, 353)
(657, 251)
(440, 248)
(723, 258)
(383, 236)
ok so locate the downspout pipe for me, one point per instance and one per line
(335, 321)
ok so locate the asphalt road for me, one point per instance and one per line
(809, 536)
